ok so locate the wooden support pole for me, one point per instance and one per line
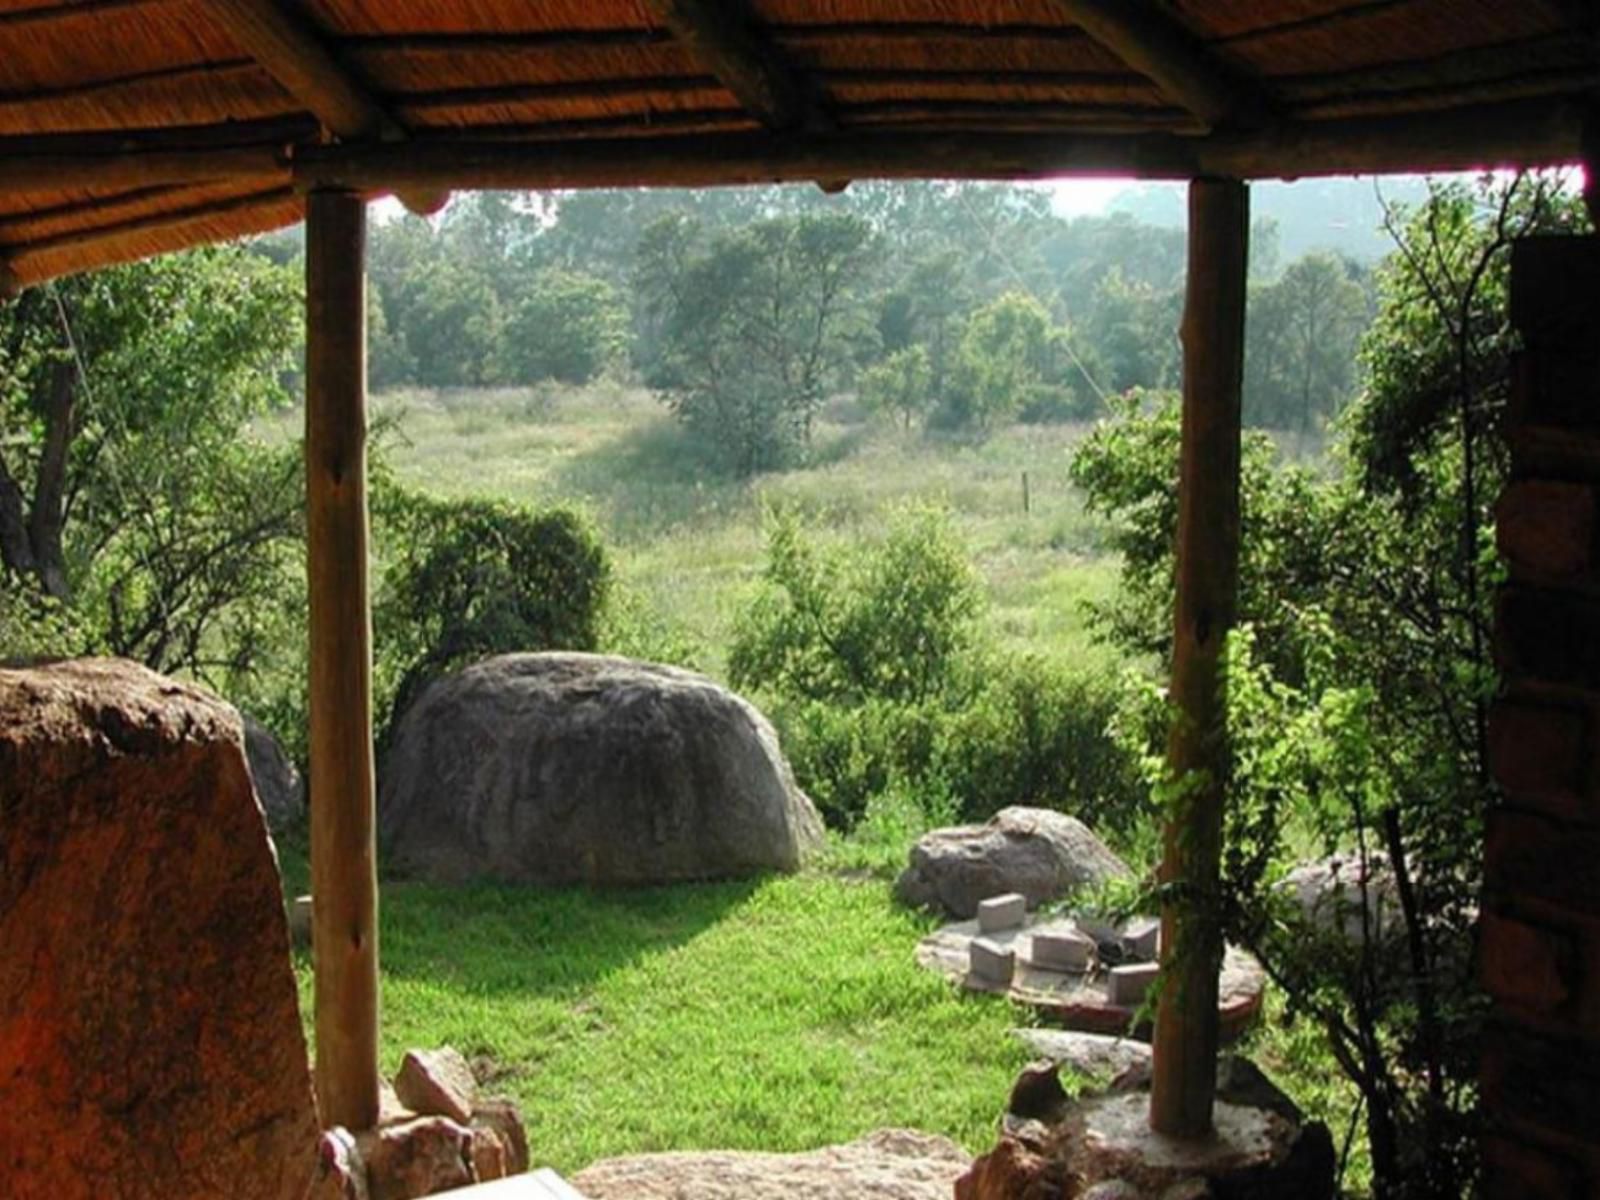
(344, 883)
(1183, 1086)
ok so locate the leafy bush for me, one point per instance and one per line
(901, 385)
(469, 578)
(883, 685)
(858, 624)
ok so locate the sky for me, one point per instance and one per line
(1085, 197)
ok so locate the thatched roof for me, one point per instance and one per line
(128, 127)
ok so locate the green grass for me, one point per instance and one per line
(687, 539)
(776, 1014)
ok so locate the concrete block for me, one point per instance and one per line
(1063, 948)
(1002, 912)
(1142, 936)
(1128, 984)
(990, 961)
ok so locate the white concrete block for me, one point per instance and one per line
(1128, 984)
(991, 961)
(1062, 948)
(1002, 912)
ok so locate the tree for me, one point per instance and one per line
(900, 385)
(1011, 352)
(568, 327)
(757, 325)
(1302, 335)
(1358, 690)
(130, 488)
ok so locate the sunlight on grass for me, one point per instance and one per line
(775, 1014)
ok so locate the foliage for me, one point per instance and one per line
(886, 623)
(569, 327)
(466, 579)
(130, 488)
(901, 385)
(757, 326)
(1011, 352)
(885, 686)
(1301, 341)
(1357, 701)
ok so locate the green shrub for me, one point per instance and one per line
(887, 621)
(470, 578)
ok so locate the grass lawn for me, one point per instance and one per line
(774, 1014)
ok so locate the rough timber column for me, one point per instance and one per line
(343, 857)
(1184, 1082)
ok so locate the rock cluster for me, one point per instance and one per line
(434, 1133)
(580, 768)
(1100, 1147)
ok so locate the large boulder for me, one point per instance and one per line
(1036, 851)
(278, 783)
(891, 1164)
(150, 1039)
(578, 768)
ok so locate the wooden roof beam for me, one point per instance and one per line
(1157, 46)
(294, 55)
(717, 34)
(1526, 133)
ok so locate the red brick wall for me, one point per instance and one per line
(1540, 947)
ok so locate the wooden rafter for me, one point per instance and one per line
(295, 56)
(748, 66)
(1529, 133)
(1156, 45)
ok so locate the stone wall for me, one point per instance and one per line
(1540, 947)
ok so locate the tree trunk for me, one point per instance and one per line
(49, 494)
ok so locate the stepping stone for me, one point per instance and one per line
(1005, 911)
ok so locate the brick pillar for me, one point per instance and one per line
(1540, 938)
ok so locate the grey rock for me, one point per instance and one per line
(1038, 852)
(1331, 893)
(1097, 1056)
(1112, 1189)
(568, 768)
(278, 784)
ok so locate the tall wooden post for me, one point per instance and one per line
(1183, 1086)
(344, 883)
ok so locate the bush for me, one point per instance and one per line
(471, 578)
(865, 622)
(882, 684)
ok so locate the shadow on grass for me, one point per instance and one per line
(504, 938)
(651, 479)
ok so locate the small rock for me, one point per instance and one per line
(278, 785)
(1142, 937)
(390, 1109)
(991, 961)
(1012, 1170)
(1188, 1189)
(416, 1158)
(502, 1116)
(341, 1175)
(1130, 983)
(488, 1154)
(1002, 912)
(438, 1083)
(1063, 948)
(1093, 1055)
(1112, 1189)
